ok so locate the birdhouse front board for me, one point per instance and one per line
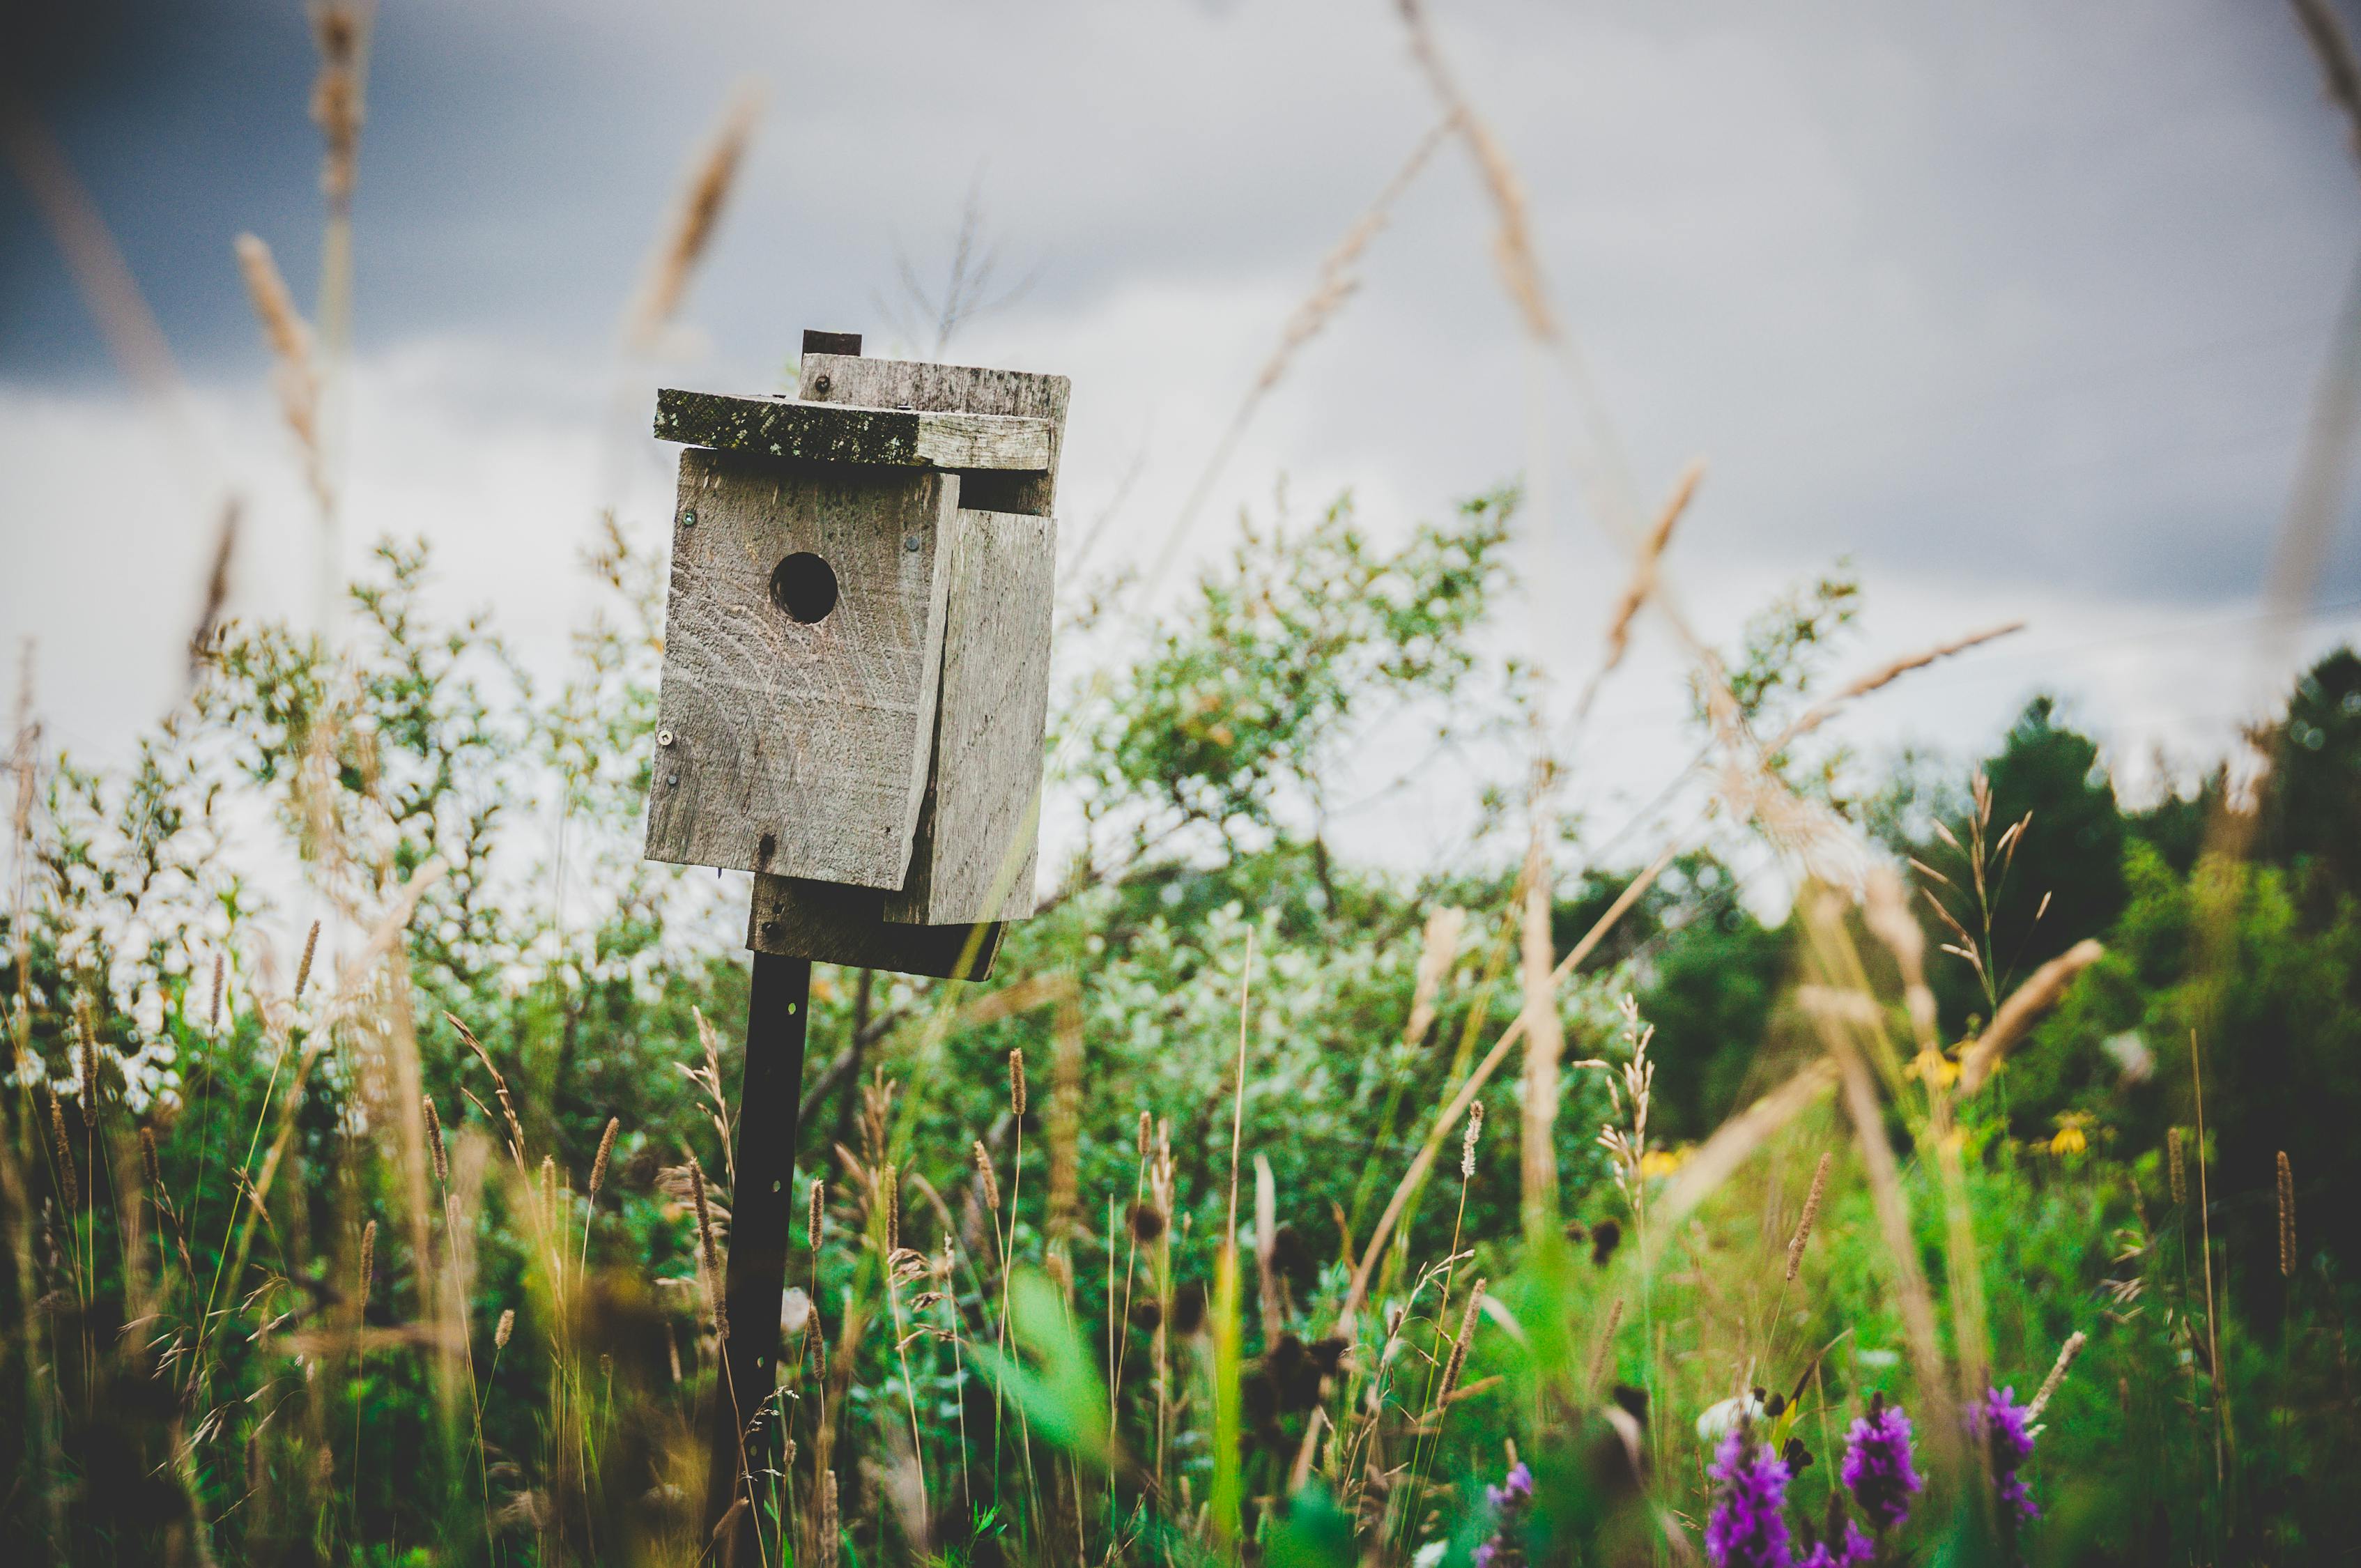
(856, 652)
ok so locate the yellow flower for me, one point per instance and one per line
(1933, 1067)
(1664, 1162)
(2068, 1138)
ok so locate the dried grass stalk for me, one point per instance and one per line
(1811, 1212)
(1736, 1140)
(69, 1180)
(340, 31)
(2176, 1160)
(2066, 1354)
(1337, 282)
(507, 1326)
(1512, 244)
(295, 369)
(368, 1263)
(708, 1252)
(1642, 587)
(990, 1180)
(304, 965)
(2287, 1217)
(686, 238)
(606, 1148)
(1356, 1292)
(434, 1143)
(87, 1060)
(1459, 1362)
(1438, 947)
(1544, 1046)
(1887, 674)
(1606, 1347)
(1468, 1143)
(2015, 1014)
(2340, 76)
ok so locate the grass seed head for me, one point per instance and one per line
(303, 967)
(1811, 1212)
(2176, 1163)
(606, 1148)
(985, 1176)
(89, 1060)
(69, 1183)
(2287, 1217)
(434, 1144)
(507, 1327)
(1017, 1084)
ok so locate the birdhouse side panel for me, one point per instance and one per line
(979, 829)
(803, 646)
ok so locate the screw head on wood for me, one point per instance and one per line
(664, 736)
(689, 518)
(910, 542)
(672, 778)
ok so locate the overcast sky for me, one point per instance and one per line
(2019, 306)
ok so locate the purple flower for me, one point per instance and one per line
(1998, 1421)
(1877, 1468)
(1854, 1551)
(1516, 1489)
(1748, 1528)
(1509, 1500)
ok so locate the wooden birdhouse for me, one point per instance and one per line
(857, 653)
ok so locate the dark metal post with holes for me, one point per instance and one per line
(855, 690)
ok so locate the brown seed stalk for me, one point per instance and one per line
(830, 1530)
(2176, 1160)
(213, 1014)
(303, 968)
(1017, 1084)
(709, 1253)
(68, 1179)
(2287, 1217)
(818, 1214)
(985, 1174)
(507, 1327)
(368, 1263)
(1811, 1212)
(2066, 1354)
(606, 1148)
(1459, 1362)
(152, 1163)
(434, 1144)
(89, 1062)
(1468, 1143)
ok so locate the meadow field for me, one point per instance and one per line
(1983, 1197)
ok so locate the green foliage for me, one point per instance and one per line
(1231, 720)
(1130, 1401)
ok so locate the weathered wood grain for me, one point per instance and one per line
(977, 838)
(828, 432)
(839, 925)
(791, 748)
(912, 384)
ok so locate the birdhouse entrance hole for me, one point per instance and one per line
(804, 587)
